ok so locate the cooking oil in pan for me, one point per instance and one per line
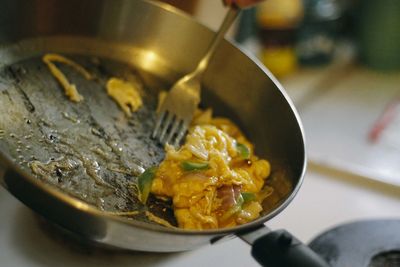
(90, 150)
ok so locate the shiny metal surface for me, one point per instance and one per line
(150, 37)
(251, 236)
(182, 100)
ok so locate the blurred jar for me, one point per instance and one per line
(278, 22)
(317, 33)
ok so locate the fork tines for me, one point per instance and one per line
(169, 129)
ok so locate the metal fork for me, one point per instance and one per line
(177, 110)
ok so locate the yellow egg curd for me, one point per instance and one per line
(125, 94)
(214, 178)
(70, 89)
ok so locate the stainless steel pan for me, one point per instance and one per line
(91, 144)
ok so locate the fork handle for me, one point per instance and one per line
(230, 17)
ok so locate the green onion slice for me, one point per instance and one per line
(243, 150)
(145, 181)
(247, 196)
(194, 166)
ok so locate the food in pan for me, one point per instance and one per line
(125, 94)
(214, 178)
(70, 89)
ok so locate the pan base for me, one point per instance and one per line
(90, 149)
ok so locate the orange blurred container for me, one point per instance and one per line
(278, 21)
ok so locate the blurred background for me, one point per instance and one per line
(339, 60)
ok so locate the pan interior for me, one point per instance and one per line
(91, 150)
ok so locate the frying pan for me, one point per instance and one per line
(75, 163)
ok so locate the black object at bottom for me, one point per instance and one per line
(360, 244)
(281, 249)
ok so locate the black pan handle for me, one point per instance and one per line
(280, 249)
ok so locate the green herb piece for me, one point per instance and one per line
(247, 196)
(243, 150)
(145, 181)
(194, 166)
(234, 209)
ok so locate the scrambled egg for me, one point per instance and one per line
(214, 179)
(70, 89)
(125, 94)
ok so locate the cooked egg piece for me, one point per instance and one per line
(70, 89)
(125, 94)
